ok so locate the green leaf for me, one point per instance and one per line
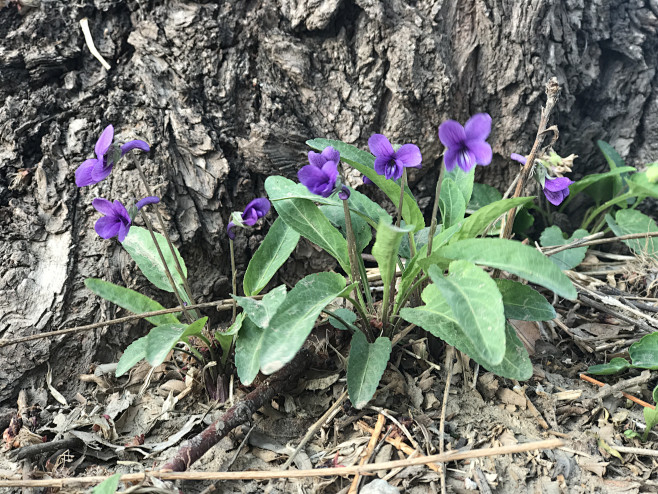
(644, 353)
(296, 316)
(651, 419)
(275, 249)
(478, 222)
(632, 221)
(437, 318)
(615, 365)
(483, 194)
(477, 305)
(262, 311)
(361, 228)
(130, 300)
(524, 303)
(464, 181)
(306, 218)
(162, 339)
(385, 252)
(135, 352)
(248, 349)
(363, 162)
(141, 248)
(451, 203)
(513, 257)
(365, 367)
(108, 486)
(567, 259)
(346, 315)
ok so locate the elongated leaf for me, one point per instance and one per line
(275, 250)
(248, 349)
(617, 364)
(477, 305)
(304, 217)
(644, 353)
(477, 223)
(451, 203)
(135, 352)
(262, 311)
(629, 221)
(108, 486)
(364, 162)
(437, 318)
(365, 367)
(567, 259)
(361, 228)
(130, 300)
(141, 248)
(162, 339)
(296, 316)
(515, 258)
(483, 194)
(464, 181)
(385, 252)
(523, 303)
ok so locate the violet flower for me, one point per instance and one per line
(96, 169)
(255, 209)
(389, 162)
(555, 189)
(319, 180)
(117, 220)
(466, 146)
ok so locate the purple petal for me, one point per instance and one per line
(452, 134)
(316, 159)
(409, 155)
(557, 184)
(123, 231)
(100, 172)
(481, 151)
(478, 127)
(229, 230)
(107, 226)
(83, 173)
(450, 158)
(520, 158)
(466, 160)
(331, 154)
(380, 146)
(555, 198)
(135, 144)
(103, 206)
(104, 141)
(381, 163)
(147, 200)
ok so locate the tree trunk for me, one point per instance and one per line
(227, 93)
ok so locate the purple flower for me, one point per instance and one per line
(467, 145)
(117, 220)
(319, 180)
(319, 159)
(556, 189)
(96, 169)
(389, 162)
(255, 209)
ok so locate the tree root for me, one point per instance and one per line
(238, 414)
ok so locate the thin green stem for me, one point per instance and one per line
(435, 208)
(166, 235)
(234, 278)
(164, 264)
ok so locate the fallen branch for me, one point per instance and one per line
(289, 474)
(238, 414)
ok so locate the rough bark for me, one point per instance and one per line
(227, 92)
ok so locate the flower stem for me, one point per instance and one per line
(166, 235)
(234, 277)
(435, 208)
(149, 225)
